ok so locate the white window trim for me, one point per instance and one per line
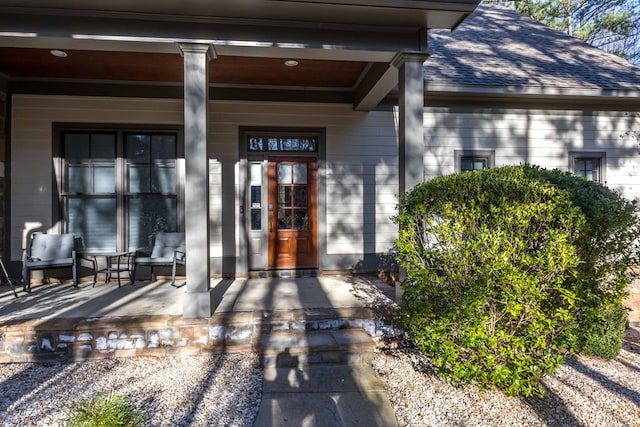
(600, 155)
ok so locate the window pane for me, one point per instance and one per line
(78, 178)
(104, 179)
(300, 220)
(103, 146)
(255, 174)
(163, 179)
(256, 144)
(283, 143)
(256, 196)
(300, 197)
(284, 219)
(139, 148)
(148, 215)
(588, 168)
(139, 179)
(472, 163)
(284, 196)
(256, 219)
(94, 220)
(300, 173)
(289, 144)
(76, 146)
(163, 146)
(309, 144)
(285, 174)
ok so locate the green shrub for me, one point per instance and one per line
(501, 263)
(105, 410)
(603, 338)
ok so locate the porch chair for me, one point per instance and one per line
(5, 279)
(168, 250)
(49, 251)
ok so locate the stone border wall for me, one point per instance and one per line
(57, 340)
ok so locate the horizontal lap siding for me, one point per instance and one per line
(361, 162)
(537, 137)
(362, 184)
(361, 168)
(31, 146)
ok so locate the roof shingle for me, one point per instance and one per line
(500, 47)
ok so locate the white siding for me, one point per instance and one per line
(361, 162)
(361, 167)
(31, 141)
(359, 181)
(537, 137)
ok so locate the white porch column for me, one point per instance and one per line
(198, 298)
(410, 124)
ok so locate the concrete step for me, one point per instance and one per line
(289, 349)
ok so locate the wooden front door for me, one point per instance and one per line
(292, 212)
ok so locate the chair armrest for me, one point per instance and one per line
(27, 258)
(144, 252)
(179, 255)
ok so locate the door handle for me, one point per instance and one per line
(270, 223)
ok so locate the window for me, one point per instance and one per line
(117, 189)
(292, 196)
(470, 160)
(255, 177)
(293, 143)
(150, 196)
(589, 165)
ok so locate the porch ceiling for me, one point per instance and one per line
(30, 63)
(341, 46)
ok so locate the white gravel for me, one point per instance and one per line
(225, 390)
(585, 391)
(204, 390)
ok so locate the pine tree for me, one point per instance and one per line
(611, 25)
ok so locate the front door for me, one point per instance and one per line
(292, 206)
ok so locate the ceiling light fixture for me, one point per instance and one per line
(291, 63)
(58, 53)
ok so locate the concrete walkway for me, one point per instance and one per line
(301, 394)
(324, 396)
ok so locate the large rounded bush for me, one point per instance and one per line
(502, 264)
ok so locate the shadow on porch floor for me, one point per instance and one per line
(61, 322)
(160, 299)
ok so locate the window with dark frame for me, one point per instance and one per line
(470, 163)
(589, 165)
(283, 143)
(471, 160)
(118, 188)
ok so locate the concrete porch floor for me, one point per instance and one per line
(158, 298)
(60, 322)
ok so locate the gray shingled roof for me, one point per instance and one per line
(500, 47)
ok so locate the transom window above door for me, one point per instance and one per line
(283, 143)
(118, 188)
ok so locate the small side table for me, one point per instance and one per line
(115, 263)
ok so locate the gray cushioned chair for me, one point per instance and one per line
(168, 250)
(49, 251)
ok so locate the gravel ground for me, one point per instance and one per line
(225, 390)
(207, 390)
(585, 391)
